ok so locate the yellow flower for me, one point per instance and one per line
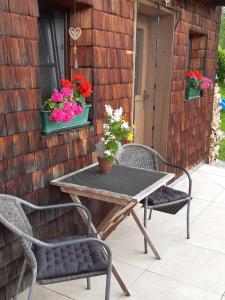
(130, 137)
(134, 126)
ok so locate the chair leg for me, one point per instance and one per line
(31, 291)
(20, 279)
(188, 219)
(145, 223)
(150, 214)
(88, 283)
(108, 284)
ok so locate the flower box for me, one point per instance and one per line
(49, 127)
(192, 93)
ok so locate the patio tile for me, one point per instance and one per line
(163, 229)
(157, 287)
(129, 247)
(77, 289)
(221, 198)
(212, 170)
(133, 255)
(193, 265)
(203, 191)
(218, 179)
(41, 293)
(197, 207)
(215, 212)
(209, 235)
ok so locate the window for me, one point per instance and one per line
(52, 28)
(197, 51)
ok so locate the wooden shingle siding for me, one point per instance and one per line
(190, 121)
(28, 160)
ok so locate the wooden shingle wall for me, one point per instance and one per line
(190, 120)
(28, 160)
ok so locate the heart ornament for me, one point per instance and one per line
(75, 33)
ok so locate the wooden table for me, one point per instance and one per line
(124, 187)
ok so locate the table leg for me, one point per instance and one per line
(126, 292)
(145, 234)
(108, 218)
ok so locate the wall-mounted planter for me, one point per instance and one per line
(192, 93)
(49, 127)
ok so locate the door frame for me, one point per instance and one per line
(140, 9)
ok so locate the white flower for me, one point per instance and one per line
(108, 152)
(117, 114)
(105, 126)
(124, 125)
(109, 110)
(119, 111)
(102, 139)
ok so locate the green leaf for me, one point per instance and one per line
(81, 100)
(76, 93)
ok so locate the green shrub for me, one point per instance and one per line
(222, 150)
(222, 117)
(221, 65)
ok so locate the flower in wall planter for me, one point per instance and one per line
(116, 130)
(196, 83)
(67, 107)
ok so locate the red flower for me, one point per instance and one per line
(66, 84)
(190, 74)
(198, 75)
(85, 89)
(195, 74)
(79, 78)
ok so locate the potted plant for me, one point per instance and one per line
(116, 130)
(67, 107)
(196, 83)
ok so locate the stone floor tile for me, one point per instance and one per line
(215, 212)
(197, 207)
(193, 265)
(209, 235)
(212, 170)
(204, 191)
(220, 198)
(157, 287)
(129, 248)
(41, 293)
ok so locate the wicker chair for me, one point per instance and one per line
(164, 199)
(59, 259)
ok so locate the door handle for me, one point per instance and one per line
(145, 95)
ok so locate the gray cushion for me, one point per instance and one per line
(68, 260)
(165, 195)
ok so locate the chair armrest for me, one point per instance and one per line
(57, 206)
(180, 168)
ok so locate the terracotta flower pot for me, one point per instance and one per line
(105, 166)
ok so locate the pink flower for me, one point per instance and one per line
(66, 92)
(78, 110)
(57, 115)
(206, 84)
(67, 113)
(57, 97)
(67, 106)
